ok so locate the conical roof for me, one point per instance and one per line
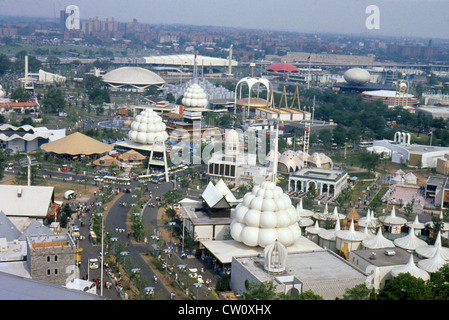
(302, 213)
(351, 234)
(416, 224)
(265, 215)
(353, 215)
(410, 241)
(411, 268)
(326, 215)
(392, 219)
(428, 251)
(329, 234)
(77, 144)
(378, 241)
(432, 264)
(315, 229)
(132, 155)
(369, 220)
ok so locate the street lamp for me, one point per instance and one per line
(197, 285)
(101, 214)
(171, 224)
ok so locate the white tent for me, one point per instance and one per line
(433, 264)
(409, 242)
(428, 251)
(411, 268)
(377, 242)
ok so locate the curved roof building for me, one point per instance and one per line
(132, 79)
(282, 67)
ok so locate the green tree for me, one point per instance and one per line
(406, 287)
(439, 283)
(3, 163)
(5, 64)
(339, 135)
(369, 160)
(20, 94)
(53, 101)
(260, 291)
(360, 292)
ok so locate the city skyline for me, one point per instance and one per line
(401, 18)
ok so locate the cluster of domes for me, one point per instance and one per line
(148, 128)
(264, 216)
(195, 96)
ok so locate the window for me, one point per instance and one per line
(56, 271)
(48, 272)
(56, 258)
(48, 258)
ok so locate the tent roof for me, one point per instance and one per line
(107, 161)
(77, 144)
(353, 214)
(132, 155)
(409, 242)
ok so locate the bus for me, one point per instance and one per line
(159, 177)
(93, 237)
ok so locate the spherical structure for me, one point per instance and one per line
(265, 215)
(357, 76)
(148, 128)
(195, 97)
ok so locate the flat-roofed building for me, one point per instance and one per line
(323, 180)
(323, 272)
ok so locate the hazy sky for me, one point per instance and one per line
(422, 18)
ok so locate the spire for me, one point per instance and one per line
(195, 69)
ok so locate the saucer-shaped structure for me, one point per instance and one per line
(148, 128)
(266, 214)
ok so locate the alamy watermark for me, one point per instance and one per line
(373, 20)
(72, 21)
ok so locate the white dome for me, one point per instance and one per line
(133, 75)
(357, 76)
(148, 128)
(195, 97)
(2, 92)
(265, 215)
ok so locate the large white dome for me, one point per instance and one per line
(147, 128)
(357, 76)
(265, 215)
(195, 96)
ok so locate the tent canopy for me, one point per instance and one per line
(77, 144)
